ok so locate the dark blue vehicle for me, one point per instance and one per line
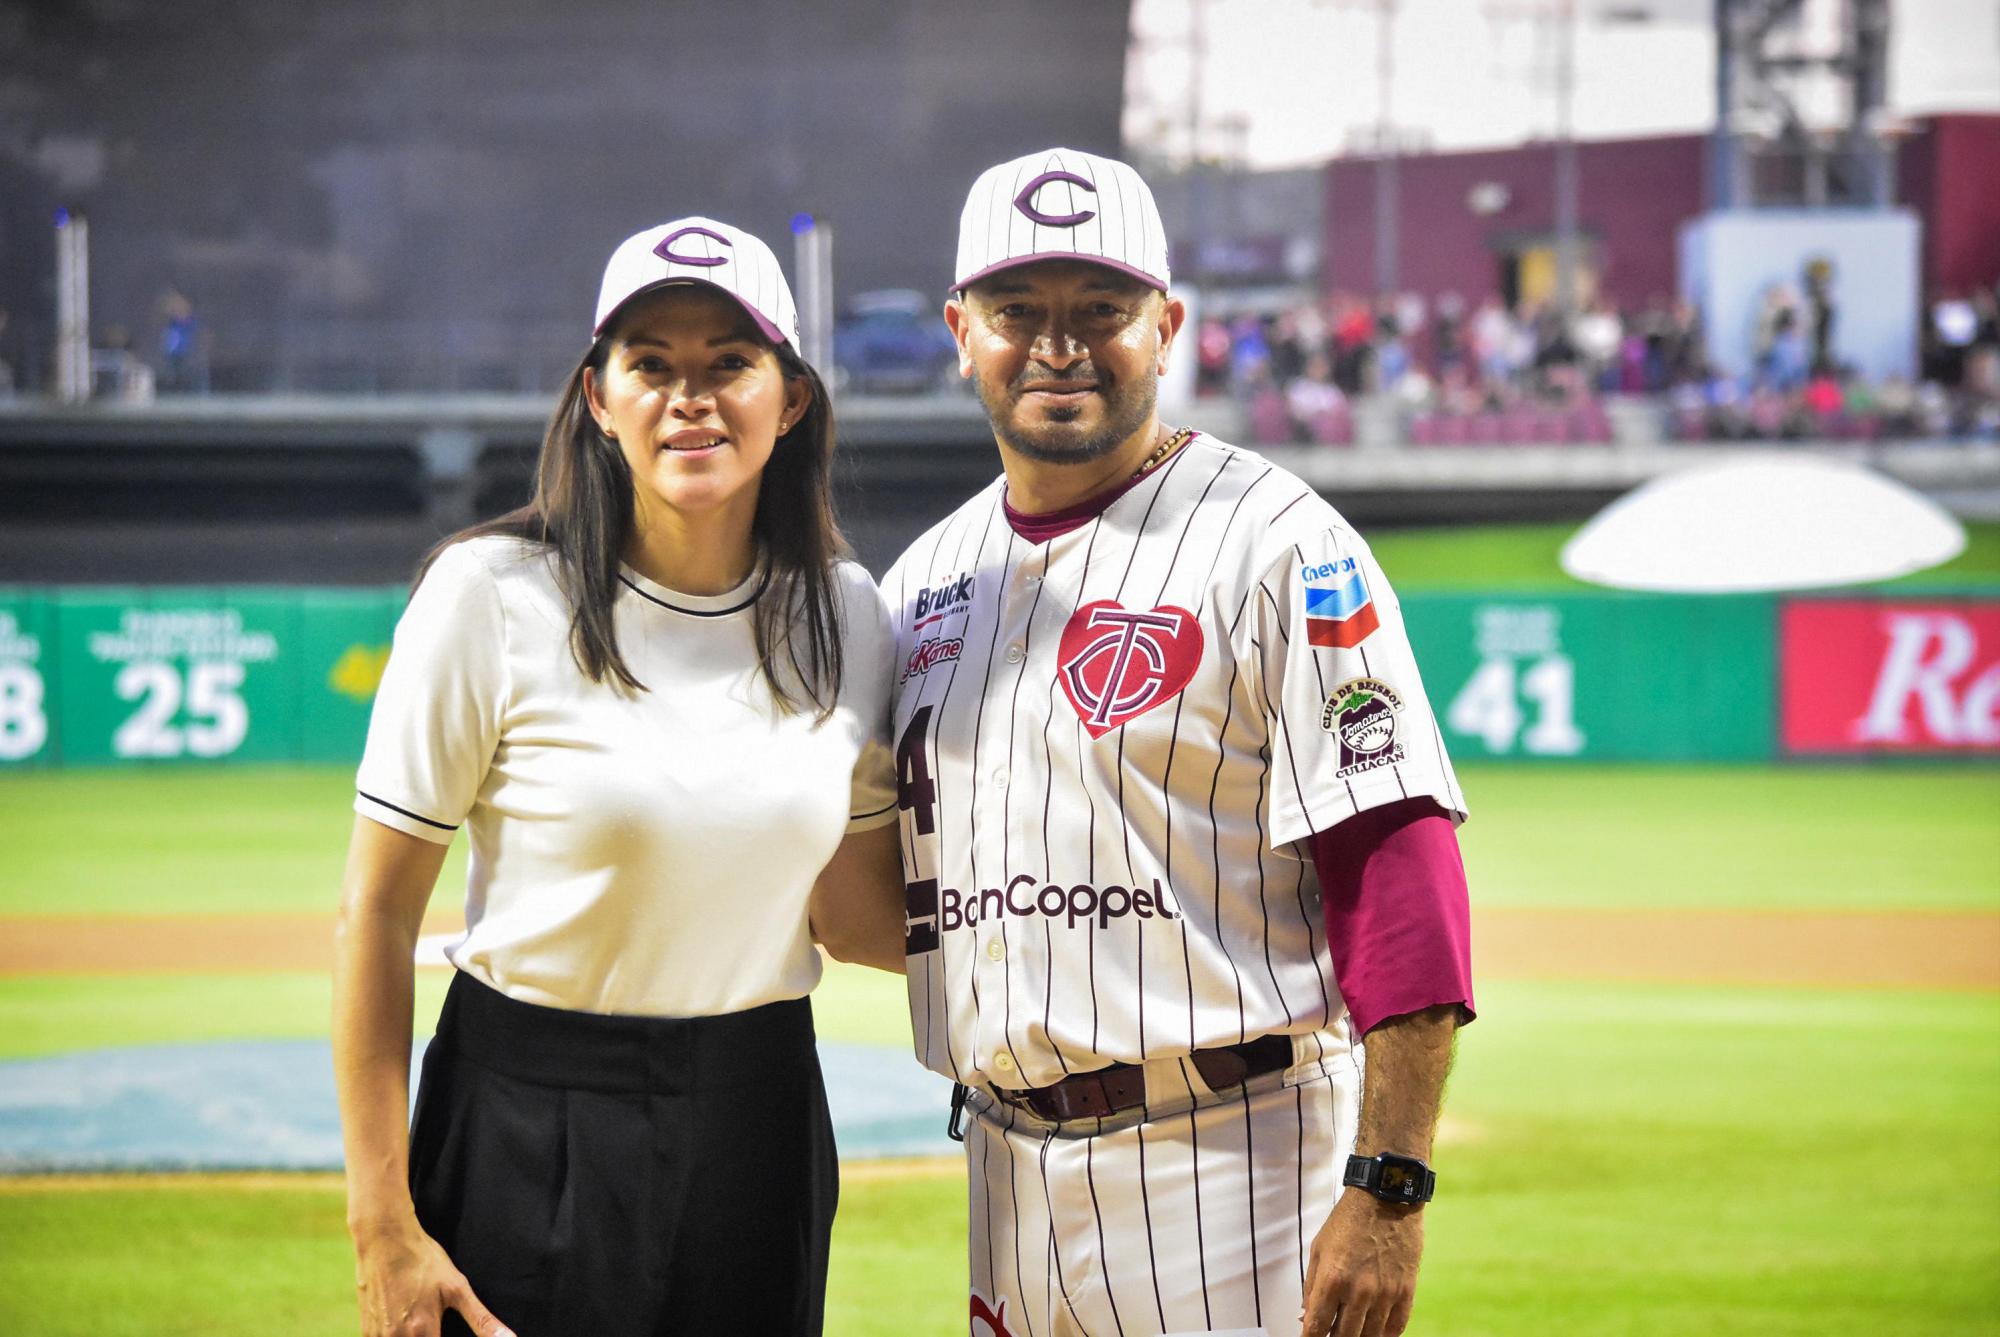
(894, 341)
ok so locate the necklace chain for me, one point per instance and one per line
(1164, 449)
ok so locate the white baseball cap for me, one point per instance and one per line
(701, 250)
(1061, 204)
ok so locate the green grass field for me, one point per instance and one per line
(1643, 1161)
(1620, 1160)
(1864, 838)
(1513, 557)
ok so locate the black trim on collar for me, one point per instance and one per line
(755, 595)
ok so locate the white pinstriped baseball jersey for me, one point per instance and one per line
(1106, 745)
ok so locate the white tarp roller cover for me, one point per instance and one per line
(1763, 522)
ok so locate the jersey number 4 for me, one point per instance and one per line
(916, 793)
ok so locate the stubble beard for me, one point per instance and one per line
(1058, 442)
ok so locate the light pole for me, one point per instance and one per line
(72, 308)
(1566, 184)
(1387, 266)
(812, 261)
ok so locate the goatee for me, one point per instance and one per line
(1059, 443)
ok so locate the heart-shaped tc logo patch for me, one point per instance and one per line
(1118, 663)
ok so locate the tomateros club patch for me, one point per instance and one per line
(1340, 612)
(1361, 715)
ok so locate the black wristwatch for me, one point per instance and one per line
(1399, 1179)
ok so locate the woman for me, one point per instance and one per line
(655, 699)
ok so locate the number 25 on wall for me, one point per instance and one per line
(1488, 707)
(216, 718)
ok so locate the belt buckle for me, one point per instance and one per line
(1084, 1095)
(1077, 1097)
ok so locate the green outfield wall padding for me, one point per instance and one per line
(153, 676)
(27, 687)
(343, 645)
(1599, 677)
(135, 676)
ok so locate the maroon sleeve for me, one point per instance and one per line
(1397, 918)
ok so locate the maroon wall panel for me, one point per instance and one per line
(1962, 218)
(1633, 196)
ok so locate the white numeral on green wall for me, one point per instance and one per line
(24, 727)
(217, 719)
(1488, 707)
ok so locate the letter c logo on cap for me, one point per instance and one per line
(665, 250)
(1025, 201)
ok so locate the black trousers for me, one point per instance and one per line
(627, 1176)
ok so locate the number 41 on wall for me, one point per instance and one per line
(1488, 707)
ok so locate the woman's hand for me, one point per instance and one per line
(405, 1279)
(406, 1282)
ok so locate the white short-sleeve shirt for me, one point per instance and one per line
(644, 853)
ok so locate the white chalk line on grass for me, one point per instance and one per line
(908, 1168)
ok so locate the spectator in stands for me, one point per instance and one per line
(1948, 331)
(1982, 386)
(183, 359)
(1249, 354)
(1525, 375)
(1393, 323)
(1288, 348)
(1598, 333)
(1787, 359)
(1494, 338)
(1896, 407)
(1353, 339)
(1212, 347)
(1679, 343)
(1448, 336)
(1820, 312)
(1312, 399)
(1211, 357)
(1986, 317)
(1825, 395)
(1774, 314)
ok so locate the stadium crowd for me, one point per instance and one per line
(1490, 372)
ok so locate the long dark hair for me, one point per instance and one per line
(582, 511)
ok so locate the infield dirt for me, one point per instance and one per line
(1921, 949)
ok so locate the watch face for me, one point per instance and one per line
(1399, 1180)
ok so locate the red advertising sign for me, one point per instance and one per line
(1877, 675)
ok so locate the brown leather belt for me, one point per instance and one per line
(1122, 1086)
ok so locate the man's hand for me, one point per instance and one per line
(1363, 1268)
(1362, 1276)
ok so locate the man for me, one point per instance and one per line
(1177, 826)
